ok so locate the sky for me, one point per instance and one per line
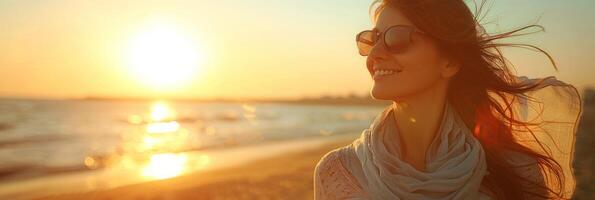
(240, 49)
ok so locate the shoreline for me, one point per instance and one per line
(267, 165)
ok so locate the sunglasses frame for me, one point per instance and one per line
(381, 35)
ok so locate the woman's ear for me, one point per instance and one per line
(450, 69)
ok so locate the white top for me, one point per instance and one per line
(332, 180)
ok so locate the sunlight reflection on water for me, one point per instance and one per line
(163, 136)
(168, 165)
(163, 166)
(163, 127)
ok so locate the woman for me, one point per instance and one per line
(461, 125)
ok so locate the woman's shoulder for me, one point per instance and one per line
(332, 179)
(330, 160)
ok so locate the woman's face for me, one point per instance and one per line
(422, 66)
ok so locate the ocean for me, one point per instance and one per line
(41, 138)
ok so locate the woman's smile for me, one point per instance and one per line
(381, 74)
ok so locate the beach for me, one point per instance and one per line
(67, 147)
(287, 176)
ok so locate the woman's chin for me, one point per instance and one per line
(382, 94)
(392, 94)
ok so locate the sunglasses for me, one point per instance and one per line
(396, 39)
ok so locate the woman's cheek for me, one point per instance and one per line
(420, 71)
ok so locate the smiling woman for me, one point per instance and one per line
(462, 124)
(163, 58)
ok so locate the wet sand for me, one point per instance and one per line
(281, 177)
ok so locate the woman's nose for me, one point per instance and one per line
(378, 52)
(377, 55)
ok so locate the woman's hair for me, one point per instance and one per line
(484, 70)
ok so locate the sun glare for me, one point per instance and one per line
(162, 166)
(163, 57)
(161, 110)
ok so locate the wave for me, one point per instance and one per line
(26, 171)
(31, 140)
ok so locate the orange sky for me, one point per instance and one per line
(255, 49)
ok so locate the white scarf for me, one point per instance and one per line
(455, 162)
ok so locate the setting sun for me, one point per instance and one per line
(162, 56)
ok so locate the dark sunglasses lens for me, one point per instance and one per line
(365, 42)
(397, 38)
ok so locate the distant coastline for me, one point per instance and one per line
(325, 100)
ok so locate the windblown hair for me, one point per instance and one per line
(484, 70)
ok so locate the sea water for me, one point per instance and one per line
(60, 137)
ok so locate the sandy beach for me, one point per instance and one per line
(279, 177)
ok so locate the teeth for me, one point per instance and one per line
(384, 72)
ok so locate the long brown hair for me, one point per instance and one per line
(484, 70)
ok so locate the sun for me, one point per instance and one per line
(163, 57)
